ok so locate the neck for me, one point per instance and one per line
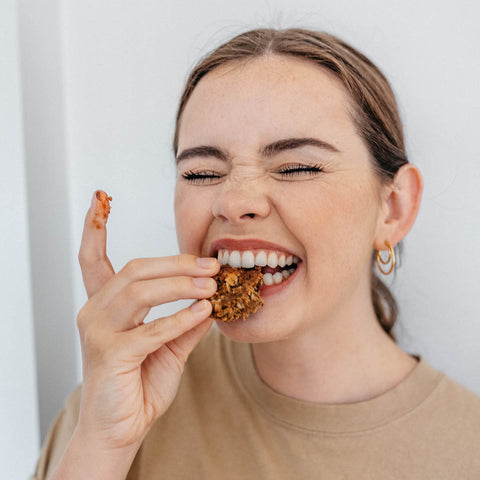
(340, 361)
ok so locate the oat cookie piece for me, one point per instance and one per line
(237, 294)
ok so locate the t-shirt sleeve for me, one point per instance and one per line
(58, 437)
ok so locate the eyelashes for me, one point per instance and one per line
(299, 169)
(204, 176)
(285, 171)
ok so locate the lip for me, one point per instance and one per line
(247, 244)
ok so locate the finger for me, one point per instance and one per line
(132, 305)
(149, 337)
(141, 269)
(183, 345)
(95, 265)
(176, 352)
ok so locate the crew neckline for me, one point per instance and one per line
(343, 418)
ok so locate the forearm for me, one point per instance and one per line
(85, 459)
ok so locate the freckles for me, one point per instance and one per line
(310, 207)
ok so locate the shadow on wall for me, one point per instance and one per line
(48, 205)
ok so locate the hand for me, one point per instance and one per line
(131, 370)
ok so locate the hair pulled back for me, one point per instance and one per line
(374, 109)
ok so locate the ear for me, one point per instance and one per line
(400, 205)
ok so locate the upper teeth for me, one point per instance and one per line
(249, 259)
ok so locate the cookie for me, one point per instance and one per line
(238, 293)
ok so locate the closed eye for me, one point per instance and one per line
(299, 169)
(289, 170)
(203, 176)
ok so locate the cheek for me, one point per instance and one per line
(310, 212)
(330, 220)
(192, 219)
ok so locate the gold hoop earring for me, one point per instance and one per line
(391, 257)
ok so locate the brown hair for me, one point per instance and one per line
(374, 109)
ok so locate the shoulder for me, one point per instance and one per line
(457, 401)
(452, 414)
(59, 435)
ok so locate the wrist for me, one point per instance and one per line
(86, 458)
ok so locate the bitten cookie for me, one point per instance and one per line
(238, 293)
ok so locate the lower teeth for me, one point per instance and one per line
(277, 277)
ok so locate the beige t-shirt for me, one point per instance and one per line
(227, 423)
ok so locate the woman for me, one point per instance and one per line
(288, 144)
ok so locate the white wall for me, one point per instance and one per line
(19, 432)
(120, 67)
(48, 179)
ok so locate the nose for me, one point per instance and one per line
(240, 202)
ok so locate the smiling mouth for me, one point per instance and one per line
(276, 267)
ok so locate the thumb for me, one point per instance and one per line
(95, 265)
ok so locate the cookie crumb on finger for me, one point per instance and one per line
(102, 209)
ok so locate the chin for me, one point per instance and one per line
(257, 328)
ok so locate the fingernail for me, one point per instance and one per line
(207, 262)
(203, 282)
(94, 199)
(199, 306)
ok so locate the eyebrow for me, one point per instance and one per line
(267, 151)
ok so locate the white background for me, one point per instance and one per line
(19, 427)
(100, 82)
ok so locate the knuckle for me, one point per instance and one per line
(131, 292)
(136, 294)
(82, 318)
(84, 258)
(178, 285)
(89, 336)
(93, 337)
(154, 328)
(133, 269)
(180, 318)
(184, 260)
(94, 343)
(88, 258)
(157, 327)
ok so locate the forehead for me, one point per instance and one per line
(264, 99)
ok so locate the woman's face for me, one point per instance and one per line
(247, 189)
